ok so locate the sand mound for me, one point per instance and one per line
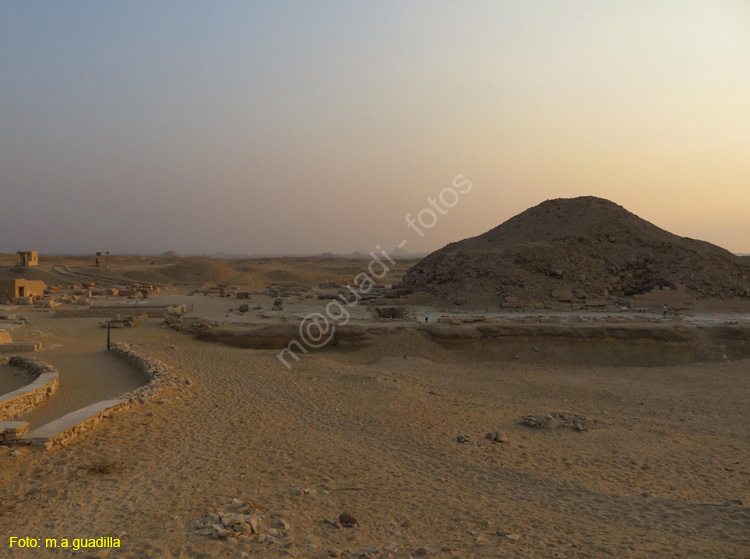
(587, 245)
(45, 274)
(198, 270)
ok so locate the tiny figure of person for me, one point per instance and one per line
(664, 310)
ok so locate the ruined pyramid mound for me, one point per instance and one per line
(586, 246)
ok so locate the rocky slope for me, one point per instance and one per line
(586, 246)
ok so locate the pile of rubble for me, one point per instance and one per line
(238, 519)
(576, 253)
(556, 420)
(129, 321)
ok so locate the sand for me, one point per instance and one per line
(373, 432)
(379, 440)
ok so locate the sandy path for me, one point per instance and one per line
(379, 441)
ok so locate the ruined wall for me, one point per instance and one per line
(159, 374)
(14, 288)
(28, 258)
(30, 396)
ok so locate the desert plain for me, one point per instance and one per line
(403, 438)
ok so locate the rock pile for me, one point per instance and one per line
(557, 420)
(579, 250)
(32, 365)
(238, 519)
(192, 325)
(129, 321)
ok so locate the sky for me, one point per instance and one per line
(306, 127)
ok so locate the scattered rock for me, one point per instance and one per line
(242, 522)
(348, 520)
(561, 420)
(512, 537)
(497, 436)
(508, 535)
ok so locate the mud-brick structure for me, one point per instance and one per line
(19, 291)
(28, 258)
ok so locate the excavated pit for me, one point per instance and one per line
(645, 345)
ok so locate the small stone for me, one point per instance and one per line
(335, 552)
(229, 520)
(421, 552)
(348, 520)
(512, 537)
(253, 522)
(15, 452)
(406, 523)
(243, 528)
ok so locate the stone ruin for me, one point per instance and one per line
(27, 258)
(391, 313)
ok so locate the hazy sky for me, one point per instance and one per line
(317, 126)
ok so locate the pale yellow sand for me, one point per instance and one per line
(379, 440)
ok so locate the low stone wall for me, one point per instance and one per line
(70, 426)
(159, 374)
(18, 347)
(30, 396)
(109, 310)
(11, 431)
(66, 428)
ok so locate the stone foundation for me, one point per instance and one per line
(68, 427)
(30, 396)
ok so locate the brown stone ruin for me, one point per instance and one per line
(27, 258)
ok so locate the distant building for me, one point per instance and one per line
(17, 291)
(28, 258)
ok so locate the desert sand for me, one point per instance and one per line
(661, 468)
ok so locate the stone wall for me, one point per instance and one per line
(30, 396)
(16, 347)
(159, 374)
(63, 430)
(108, 311)
(72, 425)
